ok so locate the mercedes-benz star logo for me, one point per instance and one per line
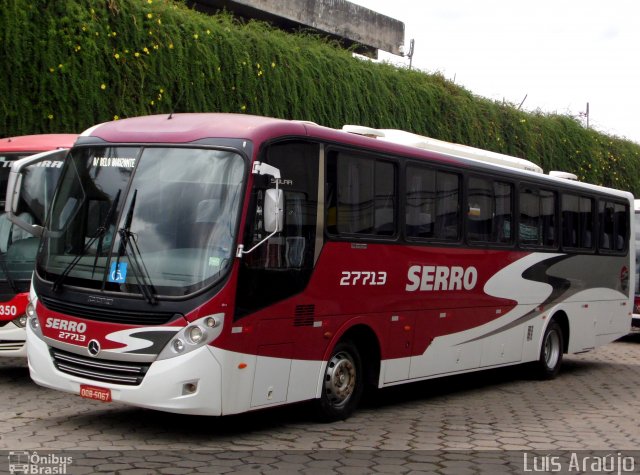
(93, 348)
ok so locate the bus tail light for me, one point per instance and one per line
(195, 335)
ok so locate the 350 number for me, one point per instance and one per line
(363, 278)
(10, 310)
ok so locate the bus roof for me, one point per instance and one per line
(191, 127)
(184, 128)
(37, 143)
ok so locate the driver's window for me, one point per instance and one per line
(282, 266)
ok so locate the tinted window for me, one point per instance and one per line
(432, 204)
(577, 221)
(489, 211)
(537, 217)
(361, 194)
(613, 226)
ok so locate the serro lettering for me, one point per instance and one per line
(66, 325)
(436, 278)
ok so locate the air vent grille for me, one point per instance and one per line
(304, 315)
(116, 372)
(8, 345)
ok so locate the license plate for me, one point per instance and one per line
(95, 393)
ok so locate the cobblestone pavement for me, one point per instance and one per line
(498, 421)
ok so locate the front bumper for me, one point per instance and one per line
(13, 341)
(162, 387)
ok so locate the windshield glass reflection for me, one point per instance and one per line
(18, 248)
(180, 229)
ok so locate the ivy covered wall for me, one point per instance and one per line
(69, 64)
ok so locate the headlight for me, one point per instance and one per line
(31, 310)
(21, 321)
(197, 334)
(211, 322)
(32, 317)
(178, 345)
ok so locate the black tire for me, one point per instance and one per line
(343, 383)
(551, 351)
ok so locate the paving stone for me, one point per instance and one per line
(593, 404)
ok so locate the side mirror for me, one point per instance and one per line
(14, 187)
(273, 211)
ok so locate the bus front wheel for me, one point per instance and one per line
(551, 350)
(342, 383)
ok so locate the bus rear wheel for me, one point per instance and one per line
(551, 350)
(342, 384)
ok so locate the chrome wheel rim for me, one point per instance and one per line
(340, 379)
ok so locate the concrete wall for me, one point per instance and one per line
(349, 23)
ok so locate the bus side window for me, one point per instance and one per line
(538, 221)
(480, 210)
(614, 232)
(420, 202)
(622, 217)
(432, 204)
(577, 221)
(361, 195)
(607, 225)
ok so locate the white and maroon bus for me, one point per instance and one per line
(17, 246)
(217, 263)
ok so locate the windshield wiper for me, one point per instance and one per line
(100, 232)
(140, 271)
(103, 230)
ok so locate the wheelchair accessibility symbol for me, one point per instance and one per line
(118, 275)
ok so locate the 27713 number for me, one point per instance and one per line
(363, 278)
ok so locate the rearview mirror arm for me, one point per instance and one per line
(261, 168)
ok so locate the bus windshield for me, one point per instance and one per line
(128, 218)
(17, 247)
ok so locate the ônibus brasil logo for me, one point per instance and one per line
(25, 462)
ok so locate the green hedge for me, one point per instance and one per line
(70, 64)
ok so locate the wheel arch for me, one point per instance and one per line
(561, 318)
(367, 342)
